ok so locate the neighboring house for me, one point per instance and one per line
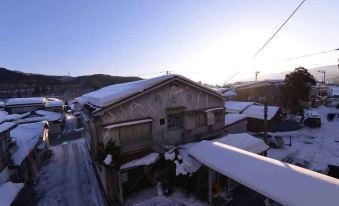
(255, 114)
(4, 150)
(146, 117)
(334, 91)
(235, 123)
(237, 106)
(23, 105)
(261, 91)
(56, 121)
(29, 143)
(319, 94)
(54, 105)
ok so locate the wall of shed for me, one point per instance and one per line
(238, 127)
(270, 92)
(155, 104)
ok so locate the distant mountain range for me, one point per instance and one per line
(20, 84)
(332, 74)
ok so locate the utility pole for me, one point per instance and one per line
(256, 75)
(324, 74)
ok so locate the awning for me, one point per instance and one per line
(284, 183)
(123, 124)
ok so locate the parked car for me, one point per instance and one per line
(272, 140)
(312, 119)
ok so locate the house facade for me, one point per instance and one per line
(268, 90)
(4, 150)
(167, 111)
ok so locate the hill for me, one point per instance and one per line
(332, 74)
(20, 84)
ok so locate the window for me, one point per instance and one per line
(134, 134)
(174, 121)
(200, 119)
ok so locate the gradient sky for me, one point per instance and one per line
(203, 40)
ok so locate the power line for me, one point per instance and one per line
(236, 73)
(279, 29)
(308, 55)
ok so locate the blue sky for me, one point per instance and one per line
(203, 40)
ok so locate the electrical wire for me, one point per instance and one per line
(268, 41)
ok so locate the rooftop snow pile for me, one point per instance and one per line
(26, 137)
(274, 179)
(146, 160)
(42, 115)
(244, 141)
(5, 126)
(26, 101)
(111, 94)
(53, 102)
(237, 107)
(257, 112)
(8, 192)
(231, 118)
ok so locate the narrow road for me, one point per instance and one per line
(69, 178)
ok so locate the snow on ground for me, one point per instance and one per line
(69, 178)
(312, 148)
(149, 197)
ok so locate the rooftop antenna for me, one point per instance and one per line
(256, 75)
(324, 74)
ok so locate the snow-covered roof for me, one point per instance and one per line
(26, 137)
(6, 126)
(41, 115)
(334, 90)
(244, 141)
(5, 117)
(128, 123)
(146, 160)
(114, 93)
(282, 182)
(229, 93)
(236, 106)
(232, 118)
(26, 101)
(54, 102)
(111, 94)
(257, 111)
(8, 192)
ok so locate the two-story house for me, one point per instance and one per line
(147, 116)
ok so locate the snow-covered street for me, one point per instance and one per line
(312, 148)
(69, 178)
